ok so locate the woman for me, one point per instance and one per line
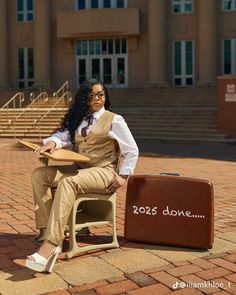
(95, 132)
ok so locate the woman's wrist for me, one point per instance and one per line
(52, 144)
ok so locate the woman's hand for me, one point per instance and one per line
(116, 183)
(49, 147)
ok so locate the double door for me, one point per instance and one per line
(111, 70)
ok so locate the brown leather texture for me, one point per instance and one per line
(170, 210)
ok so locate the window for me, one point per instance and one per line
(81, 4)
(228, 5)
(103, 59)
(121, 4)
(25, 10)
(91, 4)
(229, 57)
(107, 3)
(101, 46)
(25, 67)
(183, 63)
(182, 6)
(94, 3)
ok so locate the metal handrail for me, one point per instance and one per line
(18, 95)
(42, 95)
(9, 108)
(69, 98)
(67, 95)
(32, 97)
(63, 89)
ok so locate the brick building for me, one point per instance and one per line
(125, 43)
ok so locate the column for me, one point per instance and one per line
(3, 45)
(157, 41)
(41, 43)
(207, 30)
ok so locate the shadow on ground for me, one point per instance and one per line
(216, 151)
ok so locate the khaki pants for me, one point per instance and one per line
(53, 213)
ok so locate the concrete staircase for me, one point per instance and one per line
(38, 121)
(171, 114)
(163, 114)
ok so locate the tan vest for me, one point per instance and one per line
(101, 149)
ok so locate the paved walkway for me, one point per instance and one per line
(133, 268)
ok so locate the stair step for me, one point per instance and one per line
(165, 114)
(194, 138)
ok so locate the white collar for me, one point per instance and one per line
(98, 114)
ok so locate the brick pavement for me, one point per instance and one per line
(133, 268)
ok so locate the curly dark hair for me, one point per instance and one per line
(80, 107)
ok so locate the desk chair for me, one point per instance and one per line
(91, 209)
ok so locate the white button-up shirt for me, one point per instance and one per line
(119, 131)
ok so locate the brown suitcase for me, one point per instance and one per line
(170, 210)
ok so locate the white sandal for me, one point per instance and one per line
(42, 264)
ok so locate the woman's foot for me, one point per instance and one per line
(46, 249)
(43, 260)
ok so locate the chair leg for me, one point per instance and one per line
(73, 246)
(115, 241)
(72, 232)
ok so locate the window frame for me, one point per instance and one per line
(232, 56)
(25, 12)
(88, 56)
(228, 10)
(28, 81)
(182, 4)
(100, 4)
(184, 76)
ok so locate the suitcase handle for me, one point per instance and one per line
(169, 174)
